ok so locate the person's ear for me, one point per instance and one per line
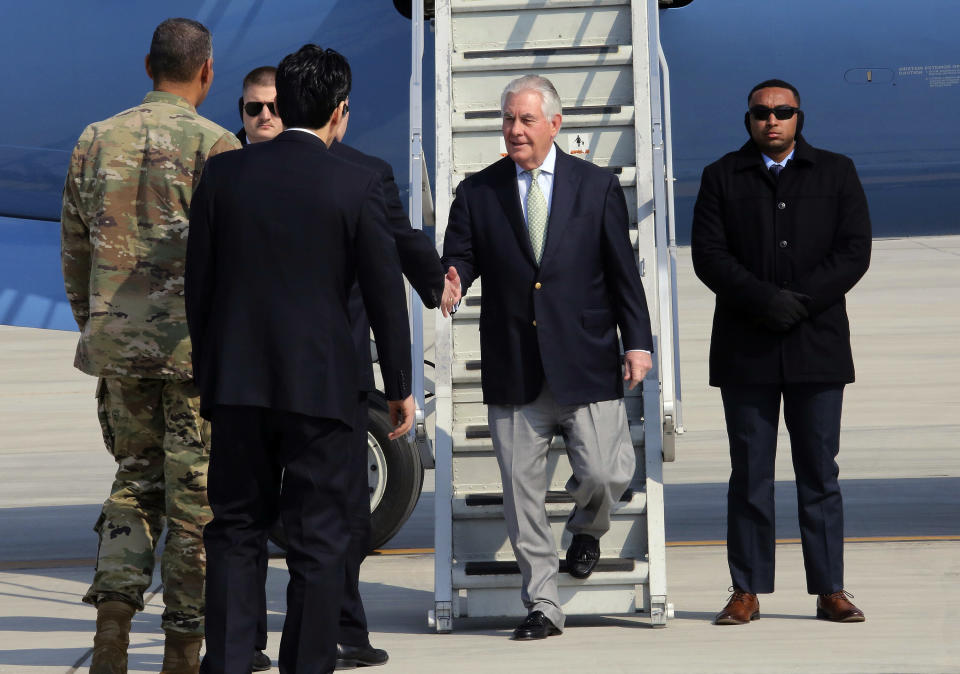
(206, 72)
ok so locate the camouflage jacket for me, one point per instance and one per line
(126, 207)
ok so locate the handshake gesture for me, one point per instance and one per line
(451, 292)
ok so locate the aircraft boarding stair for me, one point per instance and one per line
(602, 56)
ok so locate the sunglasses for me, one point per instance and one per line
(761, 113)
(253, 108)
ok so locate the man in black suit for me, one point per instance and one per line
(258, 111)
(421, 266)
(781, 233)
(279, 233)
(549, 235)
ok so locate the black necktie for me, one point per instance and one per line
(775, 170)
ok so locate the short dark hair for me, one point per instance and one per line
(263, 76)
(178, 50)
(311, 83)
(780, 84)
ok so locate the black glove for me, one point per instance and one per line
(785, 310)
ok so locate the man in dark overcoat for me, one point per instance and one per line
(781, 233)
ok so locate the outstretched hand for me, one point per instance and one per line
(402, 413)
(451, 291)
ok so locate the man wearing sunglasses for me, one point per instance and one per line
(781, 233)
(258, 107)
(258, 110)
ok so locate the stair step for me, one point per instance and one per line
(480, 532)
(575, 599)
(602, 117)
(552, 497)
(627, 572)
(557, 504)
(476, 436)
(534, 58)
(505, 568)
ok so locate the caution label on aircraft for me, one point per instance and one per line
(580, 144)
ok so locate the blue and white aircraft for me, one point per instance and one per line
(879, 81)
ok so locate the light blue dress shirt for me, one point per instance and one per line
(545, 180)
(783, 164)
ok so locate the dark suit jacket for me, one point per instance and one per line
(418, 256)
(556, 321)
(809, 232)
(279, 232)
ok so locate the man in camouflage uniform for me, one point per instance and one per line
(124, 236)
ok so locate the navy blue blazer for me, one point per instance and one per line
(418, 256)
(279, 232)
(555, 322)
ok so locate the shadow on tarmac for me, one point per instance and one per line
(694, 512)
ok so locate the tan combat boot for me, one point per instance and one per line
(112, 638)
(181, 653)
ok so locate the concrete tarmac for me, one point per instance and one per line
(900, 470)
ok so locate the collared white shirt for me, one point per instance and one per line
(544, 180)
(300, 128)
(783, 164)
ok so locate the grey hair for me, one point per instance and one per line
(550, 100)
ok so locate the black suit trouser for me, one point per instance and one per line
(812, 415)
(251, 447)
(353, 620)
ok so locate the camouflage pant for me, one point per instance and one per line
(153, 429)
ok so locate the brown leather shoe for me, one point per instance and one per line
(837, 608)
(741, 608)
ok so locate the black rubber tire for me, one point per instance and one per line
(404, 482)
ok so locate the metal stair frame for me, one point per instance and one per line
(456, 593)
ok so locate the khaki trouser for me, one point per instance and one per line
(602, 457)
(153, 429)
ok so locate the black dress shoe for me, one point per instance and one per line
(582, 555)
(261, 661)
(536, 626)
(351, 657)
